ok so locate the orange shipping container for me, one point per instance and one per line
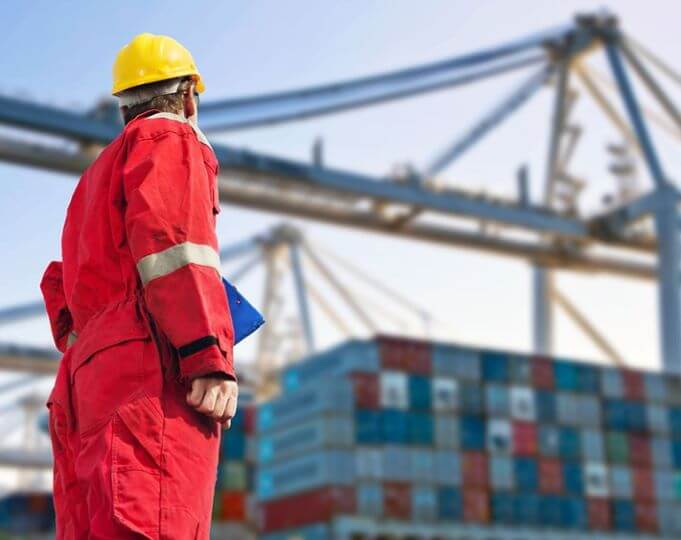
(524, 438)
(397, 500)
(474, 470)
(476, 506)
(550, 476)
(542, 373)
(599, 513)
(646, 517)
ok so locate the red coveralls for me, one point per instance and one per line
(139, 309)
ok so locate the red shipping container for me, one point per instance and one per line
(249, 412)
(397, 500)
(476, 506)
(308, 507)
(542, 373)
(634, 386)
(646, 517)
(599, 514)
(550, 476)
(474, 470)
(643, 484)
(524, 438)
(366, 390)
(639, 450)
(233, 506)
(405, 355)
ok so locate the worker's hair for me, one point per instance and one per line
(161, 100)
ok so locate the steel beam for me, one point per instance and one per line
(301, 293)
(542, 314)
(281, 106)
(24, 311)
(28, 359)
(490, 120)
(666, 224)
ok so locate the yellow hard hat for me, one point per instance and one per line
(149, 58)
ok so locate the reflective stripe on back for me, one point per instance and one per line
(164, 262)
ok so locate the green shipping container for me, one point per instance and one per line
(232, 476)
(617, 447)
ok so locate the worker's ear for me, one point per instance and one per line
(190, 108)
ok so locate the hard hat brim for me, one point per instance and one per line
(153, 78)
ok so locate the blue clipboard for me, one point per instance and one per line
(245, 318)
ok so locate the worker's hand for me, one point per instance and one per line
(215, 397)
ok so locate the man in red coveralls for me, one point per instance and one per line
(138, 308)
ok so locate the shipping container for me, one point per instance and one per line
(354, 355)
(669, 519)
(589, 412)
(232, 506)
(476, 506)
(643, 484)
(232, 476)
(404, 354)
(596, 480)
(624, 517)
(665, 489)
(520, 369)
(322, 432)
(302, 473)
(634, 387)
(599, 514)
(497, 400)
(657, 418)
(420, 393)
(588, 379)
(397, 463)
(542, 373)
(445, 394)
(424, 503)
(394, 427)
(565, 375)
(524, 438)
(369, 425)
(449, 504)
(447, 468)
(471, 399)
(369, 463)
(570, 445)
(495, 366)
(621, 482)
(573, 478)
(370, 499)
(549, 440)
(612, 385)
(307, 507)
(568, 412)
(397, 500)
(421, 428)
(366, 389)
(526, 474)
(472, 432)
(646, 516)
(502, 507)
(474, 470)
(550, 476)
(655, 387)
(423, 464)
(327, 396)
(546, 406)
(593, 445)
(523, 406)
(446, 431)
(661, 450)
(639, 450)
(457, 362)
(617, 447)
(499, 436)
(501, 474)
(394, 390)
(527, 508)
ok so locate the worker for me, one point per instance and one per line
(147, 381)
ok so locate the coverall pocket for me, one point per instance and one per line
(136, 466)
(108, 378)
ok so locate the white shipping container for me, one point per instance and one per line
(596, 480)
(445, 394)
(499, 438)
(523, 406)
(394, 390)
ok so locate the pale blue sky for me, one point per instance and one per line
(61, 53)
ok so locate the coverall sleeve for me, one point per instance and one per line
(170, 228)
(52, 287)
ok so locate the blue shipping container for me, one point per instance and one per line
(420, 397)
(421, 429)
(472, 432)
(495, 366)
(449, 504)
(394, 426)
(526, 474)
(368, 426)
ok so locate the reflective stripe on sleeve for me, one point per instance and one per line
(164, 262)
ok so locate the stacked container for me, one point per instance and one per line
(401, 431)
(233, 502)
(26, 514)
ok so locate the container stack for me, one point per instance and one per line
(396, 432)
(233, 502)
(26, 514)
